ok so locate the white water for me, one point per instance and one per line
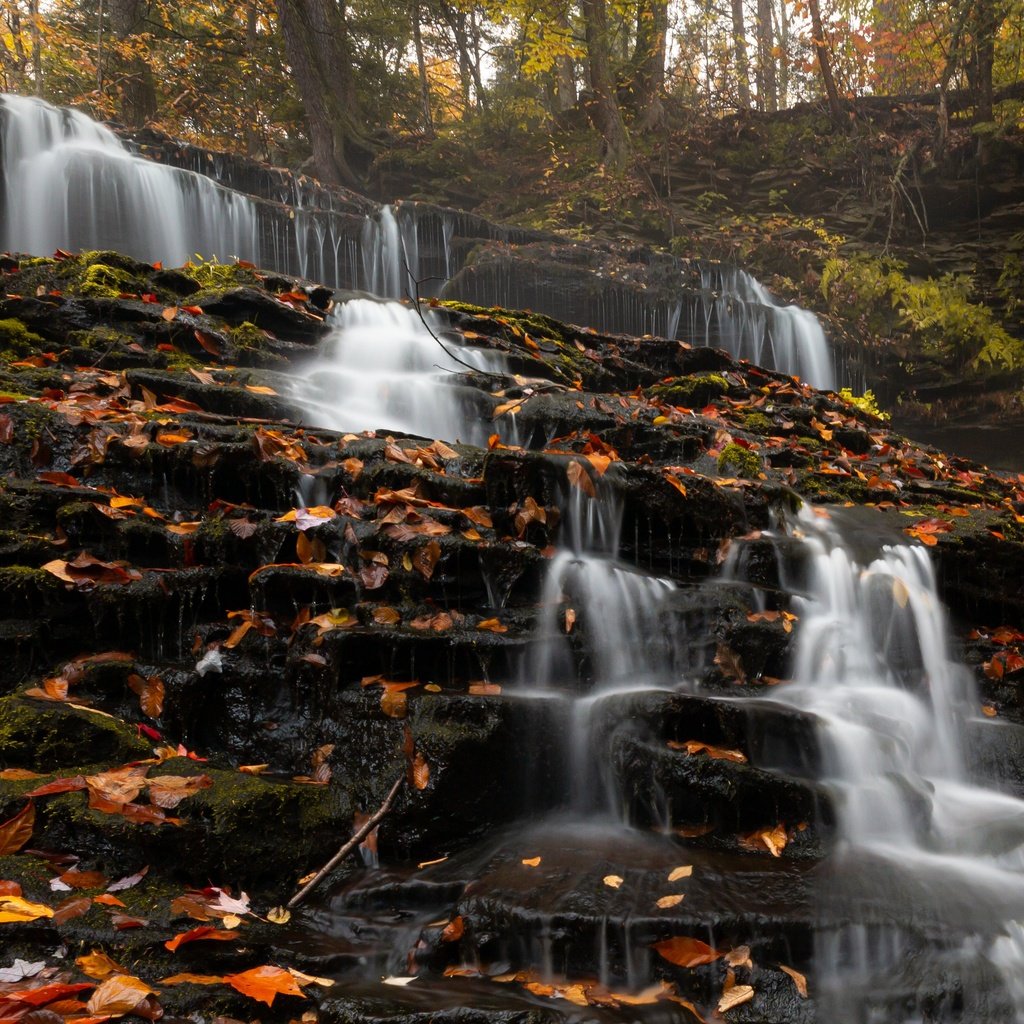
(618, 642)
(752, 325)
(384, 368)
(922, 845)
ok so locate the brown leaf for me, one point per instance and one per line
(798, 979)
(84, 879)
(664, 902)
(168, 791)
(425, 559)
(686, 952)
(118, 995)
(71, 908)
(150, 693)
(209, 342)
(120, 786)
(484, 689)
(206, 932)
(774, 839)
(736, 996)
(420, 771)
(394, 703)
(454, 930)
(492, 626)
(579, 477)
(98, 965)
(717, 753)
(16, 831)
(729, 662)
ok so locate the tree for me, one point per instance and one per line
(649, 63)
(604, 106)
(821, 49)
(739, 45)
(316, 42)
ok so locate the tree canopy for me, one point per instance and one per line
(329, 84)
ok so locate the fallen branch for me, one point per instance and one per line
(367, 827)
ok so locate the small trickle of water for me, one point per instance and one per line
(385, 368)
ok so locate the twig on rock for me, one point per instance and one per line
(367, 827)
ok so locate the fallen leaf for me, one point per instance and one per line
(686, 952)
(454, 930)
(531, 862)
(117, 995)
(798, 979)
(736, 996)
(580, 478)
(279, 915)
(718, 753)
(420, 771)
(681, 872)
(398, 981)
(195, 934)
(264, 983)
(16, 831)
(98, 965)
(612, 881)
(492, 626)
(669, 901)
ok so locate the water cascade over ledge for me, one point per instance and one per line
(67, 182)
(926, 876)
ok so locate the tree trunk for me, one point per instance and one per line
(136, 86)
(421, 67)
(986, 21)
(605, 111)
(316, 44)
(739, 48)
(767, 86)
(474, 31)
(565, 71)
(783, 35)
(37, 46)
(835, 105)
(649, 61)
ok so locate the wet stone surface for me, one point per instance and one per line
(192, 568)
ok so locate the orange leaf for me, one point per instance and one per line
(264, 983)
(16, 831)
(420, 771)
(686, 952)
(98, 965)
(798, 979)
(492, 626)
(454, 930)
(580, 478)
(205, 931)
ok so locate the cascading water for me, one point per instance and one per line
(70, 183)
(622, 639)
(383, 367)
(744, 318)
(930, 862)
(67, 182)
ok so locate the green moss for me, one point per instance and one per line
(102, 281)
(745, 463)
(248, 335)
(31, 262)
(97, 339)
(34, 733)
(693, 391)
(17, 341)
(25, 590)
(757, 423)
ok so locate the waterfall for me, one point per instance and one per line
(383, 367)
(924, 848)
(69, 183)
(601, 630)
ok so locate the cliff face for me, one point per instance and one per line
(165, 586)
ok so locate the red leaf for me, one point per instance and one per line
(16, 831)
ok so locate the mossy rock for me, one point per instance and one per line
(693, 391)
(43, 736)
(743, 462)
(24, 590)
(103, 281)
(758, 423)
(17, 341)
(243, 830)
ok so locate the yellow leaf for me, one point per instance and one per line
(279, 915)
(612, 881)
(118, 995)
(681, 872)
(670, 901)
(14, 908)
(98, 965)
